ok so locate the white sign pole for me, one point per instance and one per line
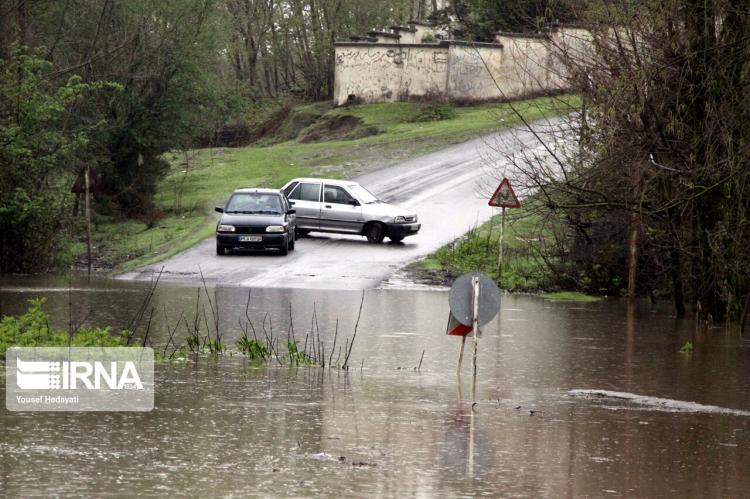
(475, 331)
(461, 356)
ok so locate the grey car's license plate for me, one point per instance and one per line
(250, 239)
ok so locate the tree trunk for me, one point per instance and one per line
(635, 227)
(677, 285)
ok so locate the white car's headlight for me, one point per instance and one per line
(275, 228)
(225, 228)
(399, 220)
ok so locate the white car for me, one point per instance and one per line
(345, 207)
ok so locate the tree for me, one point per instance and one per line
(481, 19)
(38, 152)
(661, 149)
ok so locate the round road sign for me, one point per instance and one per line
(460, 299)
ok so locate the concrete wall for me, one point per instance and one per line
(481, 72)
(515, 67)
(528, 66)
(382, 73)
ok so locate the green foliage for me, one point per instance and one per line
(660, 170)
(38, 154)
(32, 329)
(215, 346)
(477, 250)
(571, 296)
(687, 347)
(482, 18)
(253, 348)
(434, 111)
(298, 358)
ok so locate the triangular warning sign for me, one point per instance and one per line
(504, 196)
(455, 328)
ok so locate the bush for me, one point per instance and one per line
(434, 111)
(32, 329)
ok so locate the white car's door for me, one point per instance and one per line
(305, 199)
(340, 212)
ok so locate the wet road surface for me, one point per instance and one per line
(447, 189)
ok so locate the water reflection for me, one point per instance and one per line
(234, 427)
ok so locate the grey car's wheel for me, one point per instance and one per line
(293, 241)
(375, 233)
(396, 239)
(284, 250)
(220, 250)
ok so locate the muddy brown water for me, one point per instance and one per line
(645, 420)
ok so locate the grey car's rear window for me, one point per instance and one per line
(306, 192)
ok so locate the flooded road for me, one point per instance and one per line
(448, 190)
(573, 400)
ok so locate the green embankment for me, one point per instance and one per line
(378, 134)
(477, 250)
(523, 267)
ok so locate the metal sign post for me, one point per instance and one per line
(474, 301)
(504, 197)
(500, 245)
(475, 327)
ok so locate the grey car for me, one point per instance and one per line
(345, 207)
(256, 219)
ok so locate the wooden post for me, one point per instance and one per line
(475, 332)
(88, 222)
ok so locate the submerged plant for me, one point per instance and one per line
(253, 348)
(687, 347)
(299, 358)
(32, 329)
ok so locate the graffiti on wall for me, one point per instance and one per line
(386, 72)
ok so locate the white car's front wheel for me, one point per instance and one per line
(375, 232)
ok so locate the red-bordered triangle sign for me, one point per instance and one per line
(504, 196)
(455, 328)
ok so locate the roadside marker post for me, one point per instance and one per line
(475, 327)
(474, 301)
(504, 197)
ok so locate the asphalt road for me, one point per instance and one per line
(448, 190)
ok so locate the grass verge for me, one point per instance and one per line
(477, 250)
(571, 296)
(523, 267)
(199, 179)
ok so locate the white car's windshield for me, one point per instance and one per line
(254, 203)
(362, 194)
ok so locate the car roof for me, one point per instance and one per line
(330, 181)
(258, 190)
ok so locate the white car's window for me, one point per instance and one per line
(363, 194)
(306, 192)
(333, 194)
(288, 190)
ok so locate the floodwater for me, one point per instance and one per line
(617, 409)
